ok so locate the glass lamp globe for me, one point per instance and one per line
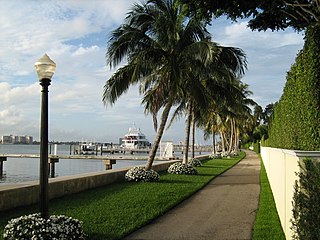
(45, 67)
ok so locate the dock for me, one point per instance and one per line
(53, 159)
(93, 157)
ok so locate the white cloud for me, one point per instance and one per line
(74, 34)
(240, 34)
(82, 50)
(10, 116)
(19, 94)
(269, 54)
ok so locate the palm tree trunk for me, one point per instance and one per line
(231, 137)
(192, 134)
(236, 143)
(164, 118)
(222, 142)
(226, 141)
(186, 142)
(214, 141)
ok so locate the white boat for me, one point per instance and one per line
(87, 148)
(135, 139)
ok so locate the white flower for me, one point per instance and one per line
(140, 174)
(216, 156)
(181, 168)
(194, 162)
(34, 227)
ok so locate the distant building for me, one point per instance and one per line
(22, 139)
(29, 139)
(6, 139)
(16, 139)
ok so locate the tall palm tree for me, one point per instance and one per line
(160, 43)
(217, 79)
(229, 117)
(258, 114)
(237, 117)
(207, 84)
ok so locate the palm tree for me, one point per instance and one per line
(239, 115)
(230, 117)
(227, 64)
(205, 84)
(267, 113)
(258, 114)
(160, 43)
(208, 84)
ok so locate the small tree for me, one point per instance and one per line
(306, 202)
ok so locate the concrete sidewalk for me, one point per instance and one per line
(224, 209)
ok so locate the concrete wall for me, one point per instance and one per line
(281, 167)
(27, 193)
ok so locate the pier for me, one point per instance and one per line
(107, 155)
(53, 159)
(100, 149)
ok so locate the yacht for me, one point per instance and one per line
(135, 139)
(87, 148)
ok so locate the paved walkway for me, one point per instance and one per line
(224, 209)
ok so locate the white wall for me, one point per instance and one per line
(281, 167)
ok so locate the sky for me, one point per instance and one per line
(74, 33)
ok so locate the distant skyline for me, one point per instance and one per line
(74, 34)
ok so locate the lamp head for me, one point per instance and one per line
(45, 67)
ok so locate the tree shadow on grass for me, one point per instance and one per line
(174, 181)
(204, 167)
(208, 174)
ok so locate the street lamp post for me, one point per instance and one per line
(45, 68)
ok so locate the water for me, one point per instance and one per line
(27, 169)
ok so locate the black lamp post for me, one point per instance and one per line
(45, 68)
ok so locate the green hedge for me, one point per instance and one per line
(306, 202)
(296, 118)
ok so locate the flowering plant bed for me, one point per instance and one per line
(35, 227)
(195, 162)
(140, 174)
(216, 156)
(181, 168)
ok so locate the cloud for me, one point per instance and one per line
(269, 54)
(10, 116)
(82, 51)
(74, 34)
(240, 34)
(18, 95)
(47, 26)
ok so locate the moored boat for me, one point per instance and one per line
(135, 139)
(87, 148)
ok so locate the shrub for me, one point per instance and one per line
(216, 156)
(295, 122)
(306, 202)
(181, 168)
(194, 162)
(35, 227)
(140, 174)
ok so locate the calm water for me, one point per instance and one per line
(27, 169)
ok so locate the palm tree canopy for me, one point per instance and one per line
(158, 41)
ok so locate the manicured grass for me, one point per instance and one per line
(113, 211)
(267, 225)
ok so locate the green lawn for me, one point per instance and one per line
(267, 225)
(113, 211)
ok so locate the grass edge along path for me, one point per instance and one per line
(267, 225)
(114, 211)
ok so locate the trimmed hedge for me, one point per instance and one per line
(296, 118)
(306, 202)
